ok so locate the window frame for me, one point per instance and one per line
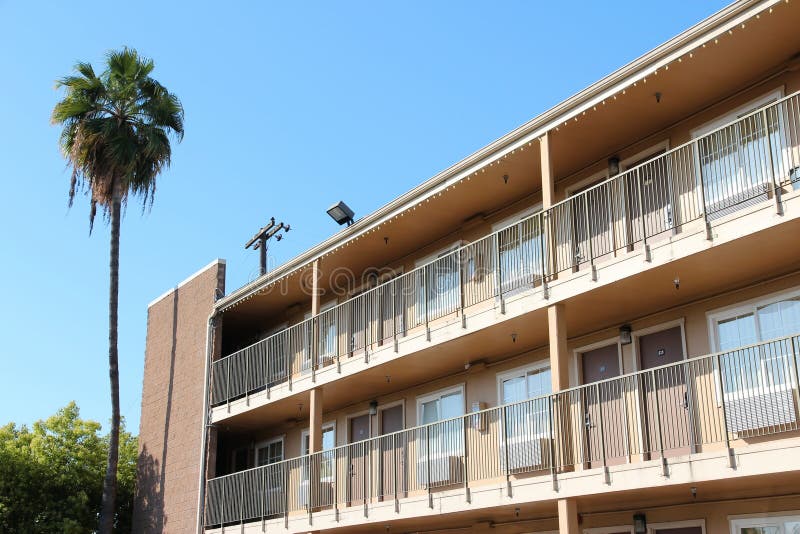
(729, 117)
(652, 528)
(438, 394)
(737, 522)
(516, 372)
(749, 306)
(266, 443)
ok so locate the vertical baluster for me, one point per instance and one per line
(462, 285)
(544, 236)
(393, 282)
(498, 272)
(589, 243)
(505, 427)
(553, 468)
(464, 424)
(642, 221)
(602, 432)
(428, 464)
(425, 297)
(395, 474)
(731, 460)
(658, 423)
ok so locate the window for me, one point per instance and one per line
(438, 285)
(269, 452)
(328, 438)
(527, 418)
(520, 241)
(327, 336)
(756, 322)
(780, 523)
(441, 444)
(757, 379)
(734, 161)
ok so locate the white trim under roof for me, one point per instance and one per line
(646, 65)
(218, 261)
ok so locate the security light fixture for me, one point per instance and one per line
(341, 213)
(625, 334)
(639, 524)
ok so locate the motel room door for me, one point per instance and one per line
(392, 452)
(604, 408)
(358, 453)
(667, 389)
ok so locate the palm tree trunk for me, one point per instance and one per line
(108, 507)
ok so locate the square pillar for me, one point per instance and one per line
(568, 516)
(315, 421)
(548, 178)
(559, 357)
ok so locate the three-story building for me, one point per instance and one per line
(590, 325)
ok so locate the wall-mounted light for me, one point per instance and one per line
(373, 407)
(625, 337)
(658, 98)
(639, 524)
(514, 337)
(613, 166)
(505, 178)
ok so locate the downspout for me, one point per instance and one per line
(201, 498)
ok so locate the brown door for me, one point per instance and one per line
(666, 399)
(680, 530)
(604, 416)
(392, 456)
(653, 213)
(591, 222)
(358, 453)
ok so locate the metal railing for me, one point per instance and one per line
(671, 410)
(747, 161)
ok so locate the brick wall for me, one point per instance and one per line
(170, 431)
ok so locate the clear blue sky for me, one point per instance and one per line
(289, 107)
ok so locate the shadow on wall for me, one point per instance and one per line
(149, 517)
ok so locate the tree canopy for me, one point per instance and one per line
(51, 475)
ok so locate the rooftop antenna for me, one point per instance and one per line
(259, 241)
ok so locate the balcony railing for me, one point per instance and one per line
(745, 162)
(725, 398)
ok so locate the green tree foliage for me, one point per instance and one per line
(51, 475)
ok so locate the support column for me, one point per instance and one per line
(315, 421)
(548, 199)
(548, 178)
(563, 437)
(559, 359)
(568, 516)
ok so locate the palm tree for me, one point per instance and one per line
(116, 140)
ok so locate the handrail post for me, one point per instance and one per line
(241, 503)
(335, 489)
(428, 465)
(505, 427)
(543, 236)
(268, 368)
(589, 237)
(658, 424)
(366, 326)
(288, 360)
(553, 468)
(796, 377)
(464, 426)
(606, 474)
(645, 246)
(498, 275)
(701, 183)
(338, 331)
(263, 499)
(462, 287)
(364, 476)
(396, 474)
(731, 459)
(246, 353)
(310, 492)
(314, 347)
(228, 385)
(776, 187)
(394, 313)
(425, 301)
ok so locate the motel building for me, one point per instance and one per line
(591, 325)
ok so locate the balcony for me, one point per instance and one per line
(725, 401)
(753, 160)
